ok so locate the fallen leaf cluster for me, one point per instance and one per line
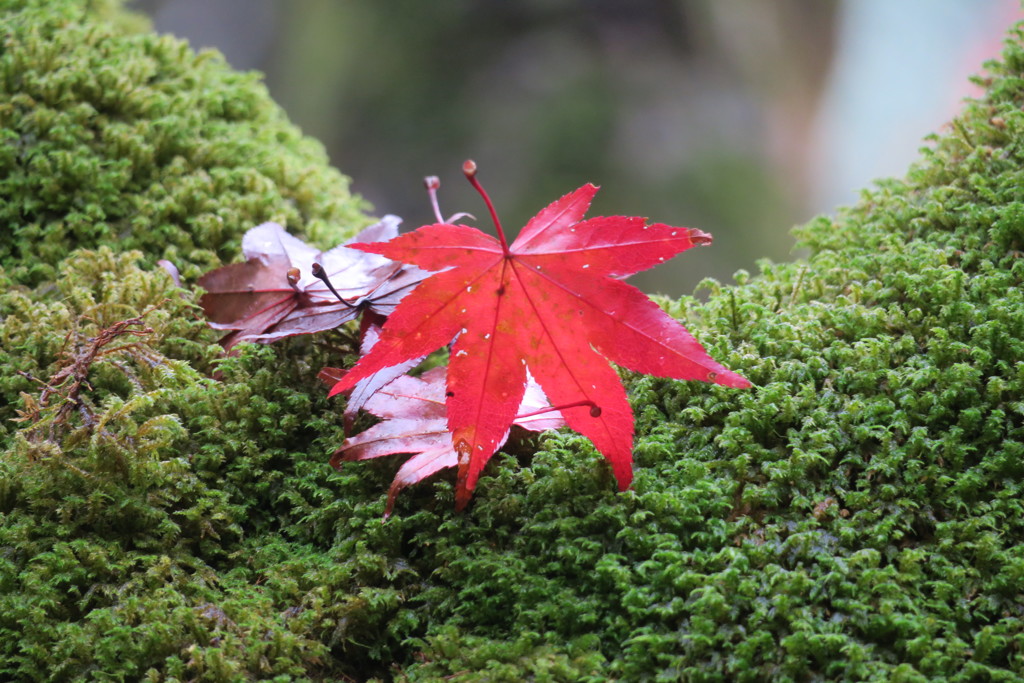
(551, 306)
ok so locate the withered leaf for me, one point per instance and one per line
(274, 293)
(416, 421)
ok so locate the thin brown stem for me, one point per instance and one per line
(432, 183)
(595, 410)
(321, 274)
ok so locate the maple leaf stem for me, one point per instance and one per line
(469, 170)
(595, 410)
(432, 183)
(321, 274)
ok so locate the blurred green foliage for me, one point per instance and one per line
(856, 516)
(673, 107)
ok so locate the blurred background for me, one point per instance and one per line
(740, 118)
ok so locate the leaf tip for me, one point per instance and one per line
(338, 387)
(463, 489)
(699, 237)
(729, 379)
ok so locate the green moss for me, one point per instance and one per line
(131, 140)
(856, 516)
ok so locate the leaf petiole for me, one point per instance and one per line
(432, 183)
(469, 170)
(321, 274)
(595, 410)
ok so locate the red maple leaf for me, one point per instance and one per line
(275, 293)
(415, 422)
(552, 302)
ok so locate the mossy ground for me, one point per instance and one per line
(857, 516)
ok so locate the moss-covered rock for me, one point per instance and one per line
(169, 515)
(109, 137)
